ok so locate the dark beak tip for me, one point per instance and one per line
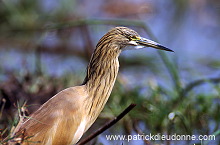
(165, 48)
(172, 51)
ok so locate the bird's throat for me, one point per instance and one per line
(101, 75)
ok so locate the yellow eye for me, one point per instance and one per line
(134, 37)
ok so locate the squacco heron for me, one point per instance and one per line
(64, 118)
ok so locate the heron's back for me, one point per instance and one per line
(57, 122)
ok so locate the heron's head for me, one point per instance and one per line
(121, 37)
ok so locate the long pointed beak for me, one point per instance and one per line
(149, 43)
